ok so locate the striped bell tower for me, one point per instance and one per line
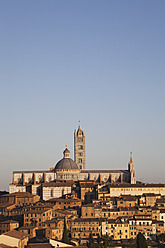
(79, 148)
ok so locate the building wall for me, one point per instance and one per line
(15, 188)
(54, 192)
(5, 227)
(9, 241)
(162, 218)
(116, 230)
(131, 190)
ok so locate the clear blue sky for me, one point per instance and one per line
(101, 62)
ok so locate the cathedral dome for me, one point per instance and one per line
(66, 163)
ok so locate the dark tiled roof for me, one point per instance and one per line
(158, 221)
(39, 245)
(89, 220)
(104, 171)
(41, 171)
(149, 194)
(37, 211)
(64, 200)
(161, 200)
(58, 184)
(27, 227)
(8, 222)
(6, 246)
(128, 185)
(5, 205)
(16, 234)
(89, 205)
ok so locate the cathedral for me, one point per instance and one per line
(68, 170)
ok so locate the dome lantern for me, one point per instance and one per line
(66, 153)
(66, 163)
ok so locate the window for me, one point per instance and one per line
(51, 192)
(80, 147)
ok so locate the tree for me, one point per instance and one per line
(65, 237)
(161, 237)
(91, 242)
(141, 241)
(107, 240)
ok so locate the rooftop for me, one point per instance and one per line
(16, 234)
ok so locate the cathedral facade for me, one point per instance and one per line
(66, 170)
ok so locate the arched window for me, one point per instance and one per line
(39, 178)
(80, 160)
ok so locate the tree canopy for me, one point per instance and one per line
(141, 241)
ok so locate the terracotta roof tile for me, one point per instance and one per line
(16, 234)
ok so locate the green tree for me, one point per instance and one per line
(91, 242)
(141, 241)
(65, 237)
(161, 237)
(107, 241)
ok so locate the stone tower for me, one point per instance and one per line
(79, 148)
(132, 170)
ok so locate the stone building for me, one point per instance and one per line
(37, 182)
(79, 148)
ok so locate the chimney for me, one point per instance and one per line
(44, 177)
(34, 178)
(121, 178)
(23, 179)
